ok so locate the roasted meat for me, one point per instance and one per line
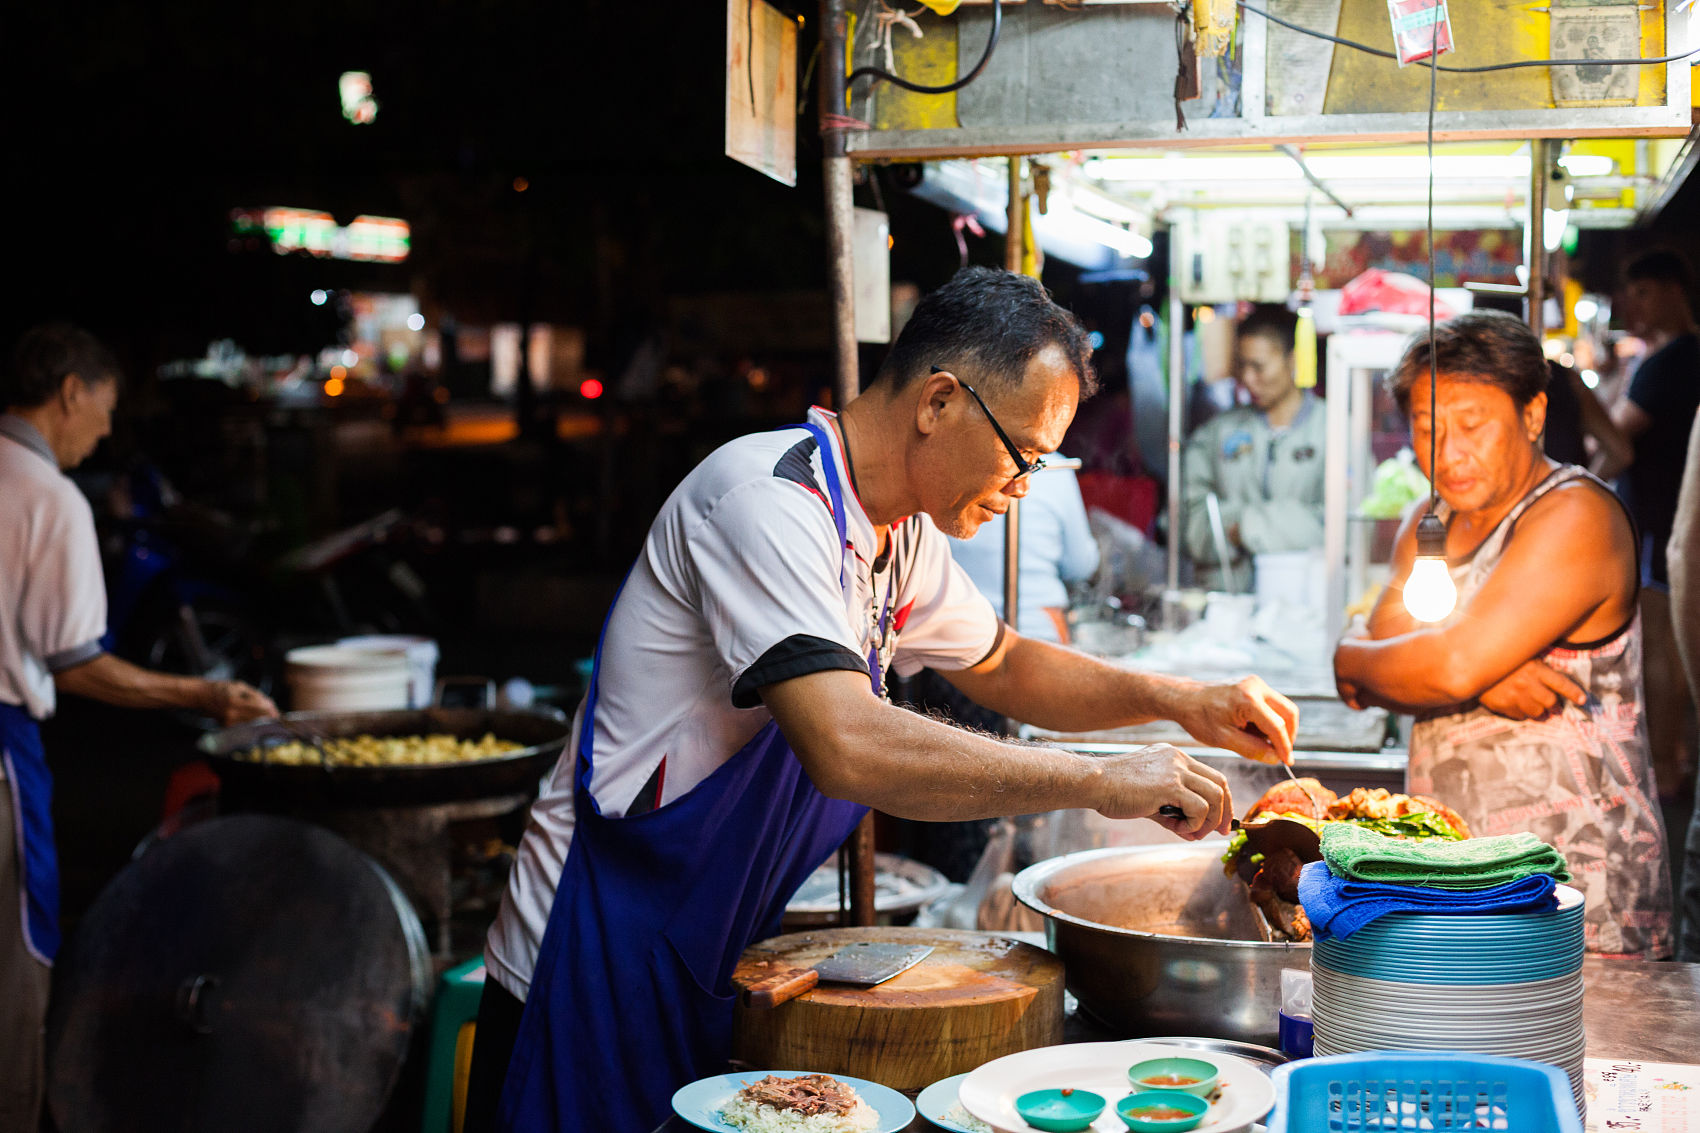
(1379, 803)
(1274, 890)
(1281, 873)
(805, 1095)
(1294, 796)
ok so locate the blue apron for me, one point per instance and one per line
(31, 785)
(632, 994)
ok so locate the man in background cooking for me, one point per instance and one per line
(1655, 413)
(58, 396)
(1528, 694)
(736, 729)
(1262, 463)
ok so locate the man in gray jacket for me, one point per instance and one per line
(1263, 462)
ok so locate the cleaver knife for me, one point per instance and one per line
(861, 964)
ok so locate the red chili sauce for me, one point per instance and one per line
(1169, 1080)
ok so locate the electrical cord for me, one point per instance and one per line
(1368, 50)
(918, 88)
(1433, 361)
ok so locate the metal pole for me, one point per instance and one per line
(1012, 563)
(1537, 258)
(840, 203)
(1017, 220)
(1337, 465)
(1177, 412)
(847, 379)
(1012, 518)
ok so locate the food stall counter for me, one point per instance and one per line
(1645, 1011)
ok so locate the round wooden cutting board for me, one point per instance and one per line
(977, 997)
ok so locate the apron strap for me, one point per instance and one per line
(587, 724)
(829, 465)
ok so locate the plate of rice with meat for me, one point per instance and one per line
(792, 1101)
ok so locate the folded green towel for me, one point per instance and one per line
(1474, 863)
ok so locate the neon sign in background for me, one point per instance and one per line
(383, 239)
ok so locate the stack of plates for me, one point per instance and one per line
(1507, 985)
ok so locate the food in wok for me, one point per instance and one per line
(1282, 831)
(384, 751)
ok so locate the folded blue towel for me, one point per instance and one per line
(1338, 907)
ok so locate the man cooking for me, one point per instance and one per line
(58, 399)
(1528, 695)
(1263, 462)
(736, 730)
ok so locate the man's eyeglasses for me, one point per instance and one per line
(1023, 467)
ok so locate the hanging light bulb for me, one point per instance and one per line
(1429, 592)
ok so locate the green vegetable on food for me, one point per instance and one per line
(1419, 826)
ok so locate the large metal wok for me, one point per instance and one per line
(543, 730)
(1157, 941)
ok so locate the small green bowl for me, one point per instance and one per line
(1204, 1075)
(1195, 1106)
(1060, 1111)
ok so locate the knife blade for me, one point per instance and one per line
(863, 964)
(1317, 809)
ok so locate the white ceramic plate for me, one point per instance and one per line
(989, 1093)
(701, 1101)
(939, 1099)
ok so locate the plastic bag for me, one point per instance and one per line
(1393, 292)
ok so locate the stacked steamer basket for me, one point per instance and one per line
(1490, 984)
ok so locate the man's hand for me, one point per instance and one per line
(1248, 718)
(1138, 782)
(1531, 691)
(234, 702)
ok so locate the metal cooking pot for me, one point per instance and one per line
(1157, 941)
(544, 731)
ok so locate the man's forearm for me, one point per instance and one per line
(910, 766)
(1064, 690)
(857, 747)
(114, 681)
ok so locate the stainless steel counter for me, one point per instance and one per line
(1642, 1009)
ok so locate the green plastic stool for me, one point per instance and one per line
(453, 1021)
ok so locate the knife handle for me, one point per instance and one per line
(782, 986)
(1169, 810)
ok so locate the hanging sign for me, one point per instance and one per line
(1420, 28)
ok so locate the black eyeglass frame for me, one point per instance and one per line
(1023, 467)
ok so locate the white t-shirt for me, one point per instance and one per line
(52, 593)
(737, 587)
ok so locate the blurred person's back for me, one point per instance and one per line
(1057, 548)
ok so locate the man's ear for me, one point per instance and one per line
(72, 389)
(932, 398)
(1535, 416)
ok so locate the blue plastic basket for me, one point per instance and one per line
(1385, 1091)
